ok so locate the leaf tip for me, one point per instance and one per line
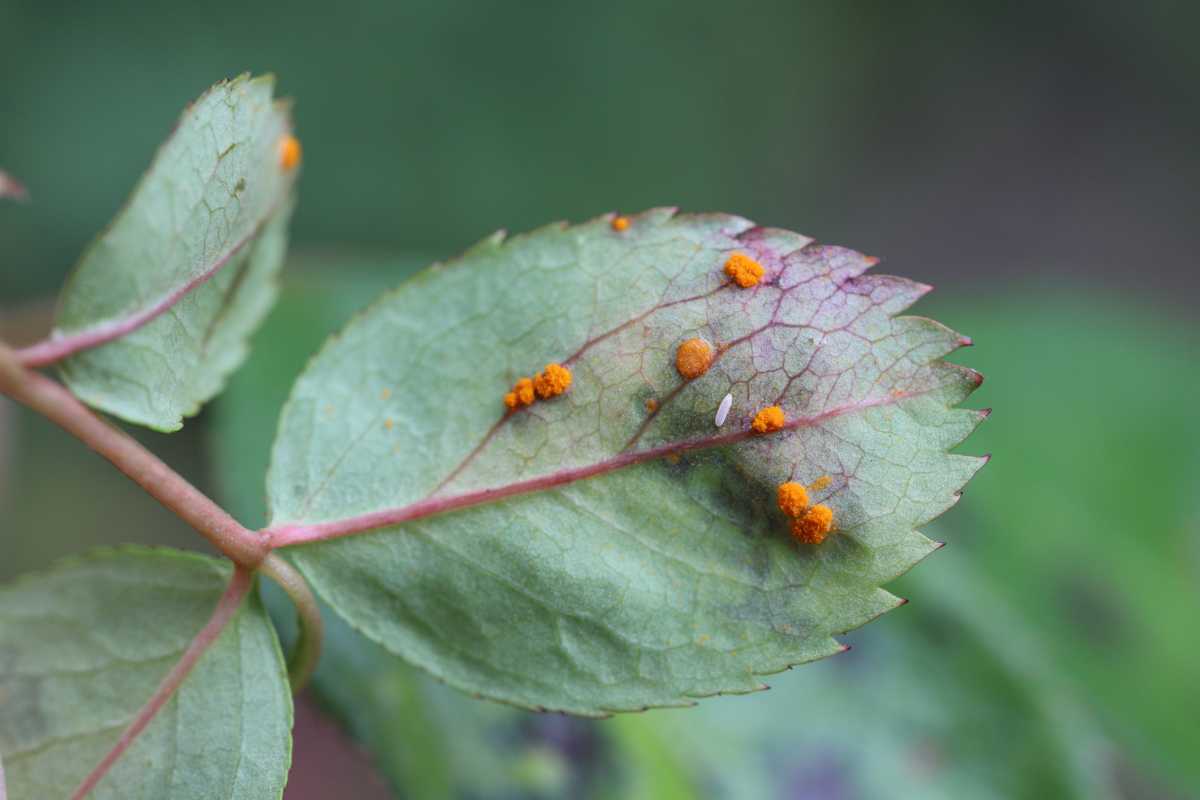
(11, 188)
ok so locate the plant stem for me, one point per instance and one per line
(227, 606)
(307, 650)
(57, 404)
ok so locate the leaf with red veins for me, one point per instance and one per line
(83, 648)
(597, 551)
(157, 312)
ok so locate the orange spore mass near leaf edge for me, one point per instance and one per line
(289, 152)
(744, 270)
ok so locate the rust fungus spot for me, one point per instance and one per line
(792, 499)
(524, 391)
(673, 458)
(693, 358)
(552, 382)
(652, 405)
(289, 152)
(387, 423)
(386, 394)
(768, 420)
(814, 526)
(744, 270)
(620, 223)
(521, 394)
(821, 483)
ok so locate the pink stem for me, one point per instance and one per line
(227, 606)
(286, 535)
(56, 349)
(57, 404)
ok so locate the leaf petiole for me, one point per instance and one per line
(57, 404)
(307, 651)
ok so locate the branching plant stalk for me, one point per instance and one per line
(56, 403)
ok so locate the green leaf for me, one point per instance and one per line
(428, 740)
(187, 270)
(83, 646)
(656, 580)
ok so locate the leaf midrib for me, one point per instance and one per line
(299, 533)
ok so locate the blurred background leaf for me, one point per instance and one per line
(1039, 165)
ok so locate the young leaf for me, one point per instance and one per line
(83, 646)
(158, 310)
(610, 549)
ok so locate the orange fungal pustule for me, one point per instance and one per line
(792, 498)
(768, 420)
(620, 223)
(524, 391)
(522, 394)
(289, 152)
(744, 270)
(693, 358)
(821, 483)
(814, 526)
(552, 381)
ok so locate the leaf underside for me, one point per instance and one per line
(83, 647)
(658, 579)
(199, 243)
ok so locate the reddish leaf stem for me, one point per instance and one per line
(58, 405)
(293, 534)
(227, 606)
(307, 650)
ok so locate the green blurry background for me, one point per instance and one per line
(1038, 164)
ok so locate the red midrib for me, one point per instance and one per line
(295, 533)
